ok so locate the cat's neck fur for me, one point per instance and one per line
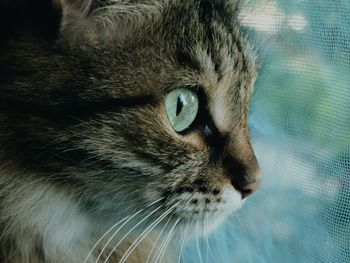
(42, 220)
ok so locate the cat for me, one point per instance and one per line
(123, 130)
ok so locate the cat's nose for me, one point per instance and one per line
(243, 174)
(247, 188)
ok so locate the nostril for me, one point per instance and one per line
(246, 193)
(248, 189)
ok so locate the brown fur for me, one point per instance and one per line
(84, 135)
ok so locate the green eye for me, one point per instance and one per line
(181, 107)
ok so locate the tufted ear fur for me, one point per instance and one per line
(105, 20)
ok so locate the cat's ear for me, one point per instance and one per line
(106, 20)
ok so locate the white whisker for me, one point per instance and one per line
(207, 239)
(160, 199)
(154, 245)
(128, 218)
(202, 234)
(183, 241)
(160, 249)
(145, 233)
(198, 249)
(168, 240)
(122, 239)
(105, 234)
(115, 233)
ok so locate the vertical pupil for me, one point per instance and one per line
(179, 105)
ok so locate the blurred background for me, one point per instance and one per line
(300, 128)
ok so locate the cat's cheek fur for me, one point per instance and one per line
(48, 219)
(209, 210)
(46, 224)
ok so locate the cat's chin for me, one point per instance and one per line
(200, 227)
(202, 219)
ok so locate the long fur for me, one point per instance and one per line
(85, 140)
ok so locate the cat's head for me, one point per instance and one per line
(137, 102)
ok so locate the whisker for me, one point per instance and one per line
(145, 233)
(103, 236)
(160, 234)
(171, 233)
(122, 239)
(202, 236)
(198, 249)
(128, 218)
(153, 203)
(160, 249)
(110, 239)
(207, 238)
(183, 242)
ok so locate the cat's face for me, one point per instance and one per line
(155, 109)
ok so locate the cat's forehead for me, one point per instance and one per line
(196, 43)
(207, 36)
(181, 43)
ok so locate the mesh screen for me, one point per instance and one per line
(300, 128)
